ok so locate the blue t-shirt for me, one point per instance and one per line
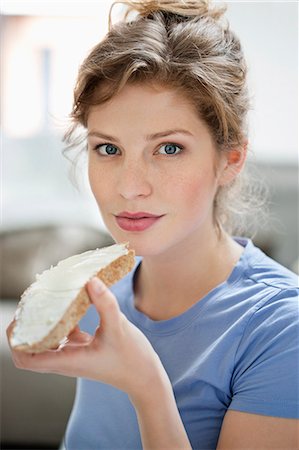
(237, 348)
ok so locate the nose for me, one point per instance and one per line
(134, 180)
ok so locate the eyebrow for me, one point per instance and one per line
(149, 137)
(153, 136)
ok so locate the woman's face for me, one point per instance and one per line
(153, 169)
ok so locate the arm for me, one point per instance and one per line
(256, 432)
(118, 354)
(159, 420)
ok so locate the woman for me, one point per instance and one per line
(198, 346)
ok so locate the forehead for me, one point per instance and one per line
(145, 102)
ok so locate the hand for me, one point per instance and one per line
(118, 354)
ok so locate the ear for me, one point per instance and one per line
(233, 162)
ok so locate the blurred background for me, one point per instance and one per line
(45, 218)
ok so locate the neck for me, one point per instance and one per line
(169, 284)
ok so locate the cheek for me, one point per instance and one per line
(98, 181)
(195, 188)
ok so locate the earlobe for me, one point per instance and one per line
(234, 162)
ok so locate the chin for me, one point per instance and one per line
(142, 245)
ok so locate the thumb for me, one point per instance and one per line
(104, 302)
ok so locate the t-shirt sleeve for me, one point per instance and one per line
(266, 371)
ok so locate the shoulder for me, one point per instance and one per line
(259, 288)
(264, 284)
(274, 291)
(266, 356)
(264, 270)
(266, 359)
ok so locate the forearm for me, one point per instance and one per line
(160, 424)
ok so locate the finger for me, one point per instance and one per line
(78, 337)
(105, 303)
(9, 328)
(67, 360)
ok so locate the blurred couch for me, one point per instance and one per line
(35, 407)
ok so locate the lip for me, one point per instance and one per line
(139, 221)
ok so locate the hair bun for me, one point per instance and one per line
(187, 8)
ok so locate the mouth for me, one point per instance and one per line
(139, 221)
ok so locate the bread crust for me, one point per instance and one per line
(110, 274)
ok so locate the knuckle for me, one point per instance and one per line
(22, 360)
(110, 302)
(18, 362)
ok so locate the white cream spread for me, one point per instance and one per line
(49, 296)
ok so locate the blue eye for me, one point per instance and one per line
(107, 149)
(170, 149)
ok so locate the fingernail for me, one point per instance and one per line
(97, 285)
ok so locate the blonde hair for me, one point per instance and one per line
(186, 45)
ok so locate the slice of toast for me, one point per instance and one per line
(53, 305)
